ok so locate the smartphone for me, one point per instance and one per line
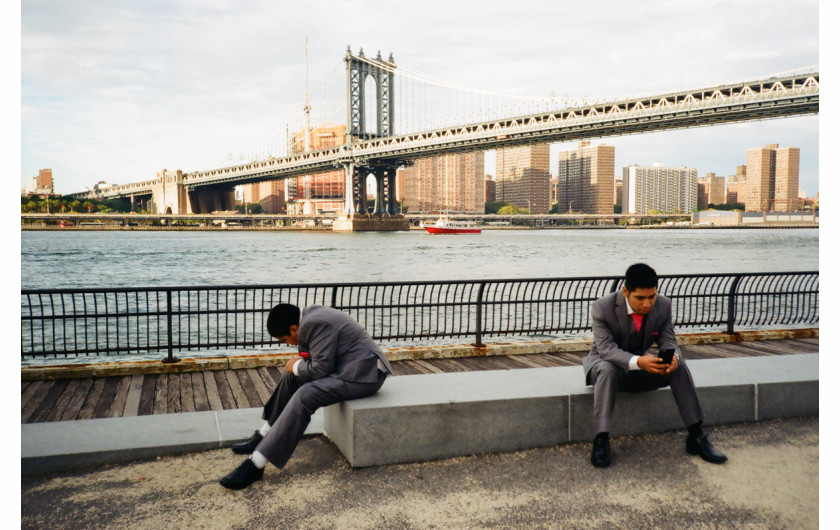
(667, 355)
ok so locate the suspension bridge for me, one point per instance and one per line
(392, 114)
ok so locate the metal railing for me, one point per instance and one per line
(84, 322)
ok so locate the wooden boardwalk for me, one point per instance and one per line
(140, 395)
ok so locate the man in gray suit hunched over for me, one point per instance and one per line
(625, 324)
(338, 362)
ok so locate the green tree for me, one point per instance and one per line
(511, 209)
(493, 207)
(727, 207)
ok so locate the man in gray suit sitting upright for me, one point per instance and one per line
(625, 324)
(338, 361)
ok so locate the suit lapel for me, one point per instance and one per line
(622, 318)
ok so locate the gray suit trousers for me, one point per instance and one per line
(292, 404)
(607, 379)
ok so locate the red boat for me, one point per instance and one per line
(448, 226)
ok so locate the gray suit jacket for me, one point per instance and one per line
(611, 328)
(338, 346)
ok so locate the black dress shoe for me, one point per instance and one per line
(243, 476)
(246, 448)
(699, 445)
(601, 451)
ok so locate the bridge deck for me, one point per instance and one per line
(139, 395)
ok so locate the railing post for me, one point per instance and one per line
(732, 306)
(478, 315)
(170, 357)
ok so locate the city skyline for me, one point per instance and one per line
(119, 93)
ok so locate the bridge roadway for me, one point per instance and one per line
(771, 97)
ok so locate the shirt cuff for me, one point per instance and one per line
(634, 363)
(295, 366)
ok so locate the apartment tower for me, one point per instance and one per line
(522, 176)
(448, 183)
(659, 189)
(772, 182)
(736, 186)
(711, 189)
(586, 179)
(270, 194)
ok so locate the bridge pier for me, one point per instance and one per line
(384, 215)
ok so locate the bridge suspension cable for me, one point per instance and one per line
(423, 102)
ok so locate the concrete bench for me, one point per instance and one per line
(433, 416)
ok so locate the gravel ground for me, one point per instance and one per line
(770, 481)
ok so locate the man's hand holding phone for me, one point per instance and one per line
(665, 363)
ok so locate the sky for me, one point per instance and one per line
(117, 91)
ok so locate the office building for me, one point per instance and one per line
(586, 179)
(450, 183)
(659, 189)
(522, 176)
(711, 189)
(772, 182)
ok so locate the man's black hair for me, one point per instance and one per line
(281, 318)
(640, 276)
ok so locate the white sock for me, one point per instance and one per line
(265, 428)
(259, 460)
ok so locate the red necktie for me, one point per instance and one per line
(637, 320)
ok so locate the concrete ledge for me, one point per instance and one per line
(435, 416)
(427, 417)
(73, 445)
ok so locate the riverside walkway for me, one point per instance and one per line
(770, 481)
(142, 394)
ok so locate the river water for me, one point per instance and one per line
(100, 259)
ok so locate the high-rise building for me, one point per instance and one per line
(586, 179)
(489, 189)
(772, 179)
(659, 189)
(711, 189)
(321, 192)
(618, 197)
(271, 195)
(522, 175)
(45, 180)
(736, 186)
(448, 183)
(41, 185)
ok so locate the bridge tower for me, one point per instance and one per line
(357, 214)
